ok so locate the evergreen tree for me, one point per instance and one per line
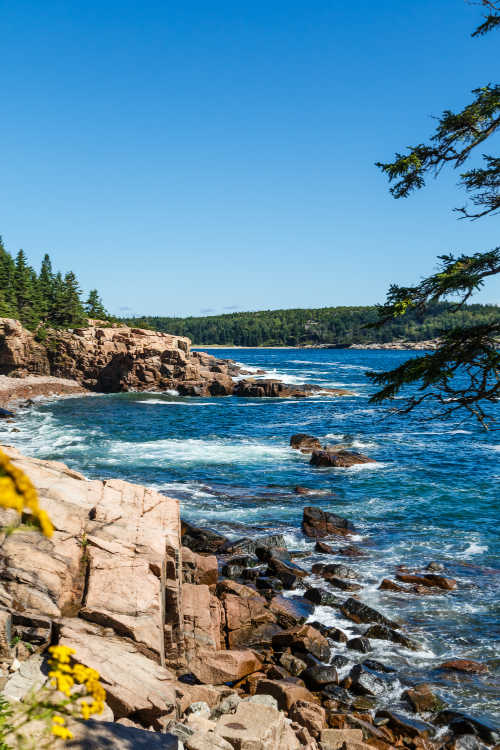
(94, 307)
(46, 286)
(8, 305)
(25, 291)
(72, 311)
(47, 298)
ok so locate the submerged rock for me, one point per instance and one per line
(465, 665)
(385, 633)
(339, 458)
(324, 548)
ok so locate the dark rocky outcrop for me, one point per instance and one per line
(270, 388)
(304, 443)
(359, 612)
(318, 523)
(201, 540)
(338, 458)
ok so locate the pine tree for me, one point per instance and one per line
(46, 286)
(8, 306)
(25, 291)
(73, 313)
(94, 306)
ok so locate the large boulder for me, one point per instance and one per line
(114, 558)
(218, 667)
(257, 728)
(149, 695)
(304, 639)
(286, 692)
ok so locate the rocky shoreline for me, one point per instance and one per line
(214, 642)
(117, 359)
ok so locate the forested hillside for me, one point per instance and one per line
(338, 326)
(43, 299)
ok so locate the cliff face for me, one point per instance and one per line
(114, 359)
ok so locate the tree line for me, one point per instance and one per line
(44, 299)
(337, 326)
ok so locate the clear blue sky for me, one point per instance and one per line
(197, 157)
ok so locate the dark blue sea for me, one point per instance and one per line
(432, 496)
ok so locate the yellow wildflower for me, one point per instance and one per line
(85, 709)
(61, 653)
(59, 729)
(17, 492)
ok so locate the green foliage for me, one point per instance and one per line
(44, 300)
(335, 326)
(455, 137)
(464, 372)
(492, 18)
(94, 307)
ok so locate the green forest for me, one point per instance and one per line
(335, 326)
(44, 299)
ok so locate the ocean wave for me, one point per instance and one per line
(474, 549)
(193, 450)
(161, 402)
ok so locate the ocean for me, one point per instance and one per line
(433, 494)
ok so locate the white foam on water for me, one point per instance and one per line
(363, 444)
(474, 549)
(177, 451)
(160, 402)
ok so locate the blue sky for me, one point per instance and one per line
(198, 157)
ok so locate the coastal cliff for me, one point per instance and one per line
(112, 359)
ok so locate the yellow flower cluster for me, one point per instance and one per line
(64, 675)
(59, 729)
(17, 492)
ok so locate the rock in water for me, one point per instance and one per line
(319, 523)
(305, 443)
(359, 612)
(339, 458)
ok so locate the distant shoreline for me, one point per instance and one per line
(390, 345)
